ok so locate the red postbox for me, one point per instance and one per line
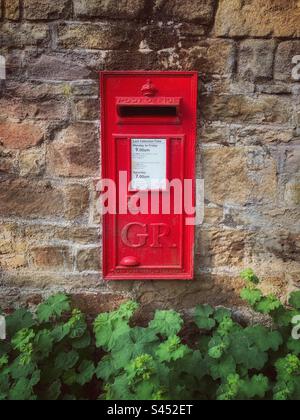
(148, 130)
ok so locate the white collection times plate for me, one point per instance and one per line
(148, 164)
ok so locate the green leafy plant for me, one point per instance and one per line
(53, 354)
(229, 361)
(47, 356)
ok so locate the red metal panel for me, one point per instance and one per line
(148, 107)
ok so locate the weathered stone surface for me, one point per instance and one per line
(190, 33)
(59, 67)
(32, 162)
(118, 60)
(292, 193)
(23, 34)
(256, 135)
(41, 199)
(213, 215)
(240, 108)
(276, 88)
(6, 239)
(12, 249)
(284, 65)
(284, 245)
(24, 199)
(276, 250)
(12, 9)
(8, 162)
(258, 18)
(35, 91)
(221, 248)
(12, 262)
(21, 135)
(13, 64)
(96, 303)
(121, 9)
(89, 259)
(77, 201)
(248, 176)
(292, 161)
(80, 235)
(212, 289)
(42, 110)
(159, 36)
(192, 10)
(213, 134)
(51, 258)
(102, 36)
(256, 59)
(74, 152)
(209, 57)
(257, 218)
(50, 283)
(87, 109)
(46, 9)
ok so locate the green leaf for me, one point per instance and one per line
(264, 339)
(18, 371)
(69, 377)
(203, 317)
(82, 342)
(77, 324)
(222, 368)
(3, 361)
(22, 339)
(252, 296)
(245, 353)
(222, 313)
(5, 348)
(295, 300)
(249, 276)
(22, 391)
(19, 320)
(140, 369)
(53, 308)
(257, 386)
(66, 361)
(229, 391)
(110, 331)
(268, 304)
(166, 323)
(283, 317)
(172, 349)
(294, 346)
(60, 332)
(217, 346)
(145, 391)
(43, 343)
(86, 372)
(127, 310)
(54, 391)
(106, 369)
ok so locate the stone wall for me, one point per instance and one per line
(248, 148)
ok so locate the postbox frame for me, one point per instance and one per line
(151, 275)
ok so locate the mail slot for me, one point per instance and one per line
(148, 135)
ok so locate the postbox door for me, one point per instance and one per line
(148, 150)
